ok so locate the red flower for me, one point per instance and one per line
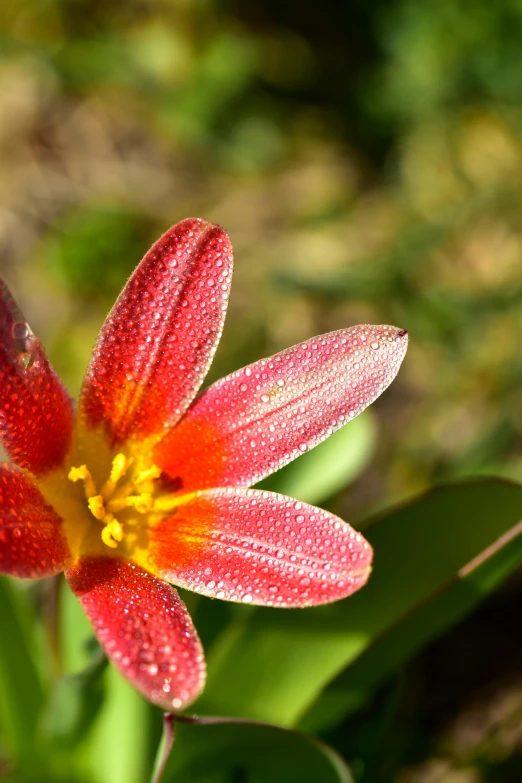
(147, 484)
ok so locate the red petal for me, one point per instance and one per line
(144, 628)
(36, 415)
(261, 548)
(32, 544)
(157, 343)
(256, 420)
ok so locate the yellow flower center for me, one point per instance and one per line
(115, 496)
(129, 491)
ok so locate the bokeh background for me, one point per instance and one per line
(366, 158)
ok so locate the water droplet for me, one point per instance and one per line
(21, 330)
(25, 359)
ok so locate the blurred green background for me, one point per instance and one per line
(366, 159)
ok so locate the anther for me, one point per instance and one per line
(96, 506)
(120, 466)
(84, 474)
(112, 533)
(111, 500)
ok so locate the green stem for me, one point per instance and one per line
(165, 747)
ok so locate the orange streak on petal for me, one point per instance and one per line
(259, 547)
(266, 414)
(193, 454)
(157, 343)
(184, 537)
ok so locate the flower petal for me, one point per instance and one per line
(144, 628)
(158, 341)
(261, 548)
(32, 544)
(36, 414)
(254, 421)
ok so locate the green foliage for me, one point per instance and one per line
(272, 664)
(367, 160)
(444, 53)
(220, 753)
(435, 558)
(96, 248)
(21, 686)
(74, 703)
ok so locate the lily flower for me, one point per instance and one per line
(146, 484)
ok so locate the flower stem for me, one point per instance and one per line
(165, 747)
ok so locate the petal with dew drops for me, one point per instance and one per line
(256, 420)
(260, 548)
(36, 414)
(143, 627)
(158, 341)
(32, 544)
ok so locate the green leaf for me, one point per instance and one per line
(320, 473)
(256, 753)
(74, 704)
(389, 651)
(119, 749)
(21, 690)
(272, 664)
(104, 241)
(76, 634)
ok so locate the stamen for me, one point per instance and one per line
(111, 499)
(96, 506)
(120, 466)
(142, 503)
(84, 474)
(147, 475)
(112, 533)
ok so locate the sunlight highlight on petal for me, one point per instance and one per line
(256, 420)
